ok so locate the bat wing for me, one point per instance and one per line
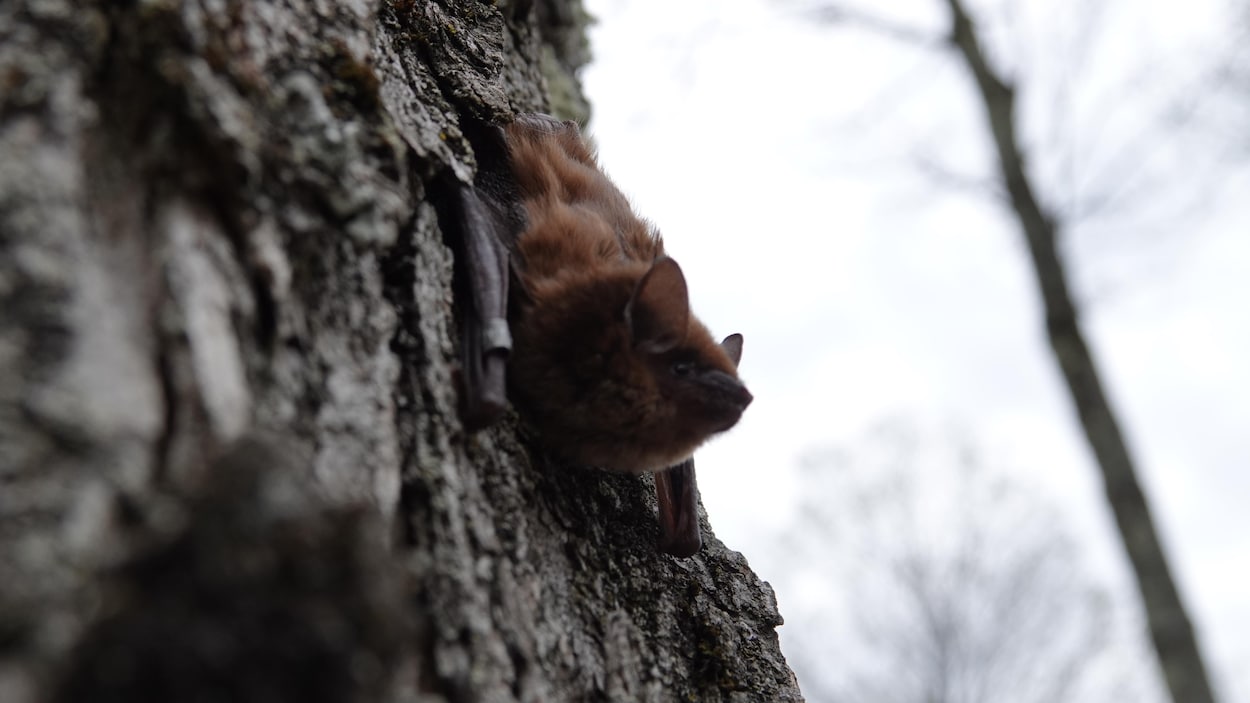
(485, 338)
(490, 217)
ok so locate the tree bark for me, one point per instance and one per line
(1170, 628)
(230, 461)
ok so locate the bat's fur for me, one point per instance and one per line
(608, 364)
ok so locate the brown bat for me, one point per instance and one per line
(607, 361)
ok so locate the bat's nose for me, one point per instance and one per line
(730, 390)
(744, 397)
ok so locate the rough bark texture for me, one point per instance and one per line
(222, 219)
(1170, 628)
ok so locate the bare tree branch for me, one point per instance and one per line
(939, 173)
(1170, 628)
(833, 13)
(954, 583)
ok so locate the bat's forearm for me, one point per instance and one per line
(486, 339)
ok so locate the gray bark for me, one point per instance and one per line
(230, 462)
(1170, 628)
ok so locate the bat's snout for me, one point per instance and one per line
(727, 398)
(729, 390)
(743, 397)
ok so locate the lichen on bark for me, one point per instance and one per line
(220, 229)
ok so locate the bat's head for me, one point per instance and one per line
(615, 371)
(691, 372)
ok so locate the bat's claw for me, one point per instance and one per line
(678, 495)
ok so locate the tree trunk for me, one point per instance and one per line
(1170, 629)
(230, 461)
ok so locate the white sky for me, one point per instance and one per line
(781, 160)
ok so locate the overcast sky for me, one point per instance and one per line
(823, 189)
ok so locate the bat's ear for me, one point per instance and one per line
(733, 347)
(658, 313)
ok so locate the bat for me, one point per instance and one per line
(599, 351)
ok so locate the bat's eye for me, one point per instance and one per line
(682, 369)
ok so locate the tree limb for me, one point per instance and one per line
(1170, 628)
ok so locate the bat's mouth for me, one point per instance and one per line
(678, 495)
(724, 401)
(727, 390)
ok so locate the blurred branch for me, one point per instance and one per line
(833, 13)
(934, 170)
(1170, 627)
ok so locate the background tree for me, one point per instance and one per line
(228, 220)
(1170, 627)
(938, 578)
(1043, 223)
